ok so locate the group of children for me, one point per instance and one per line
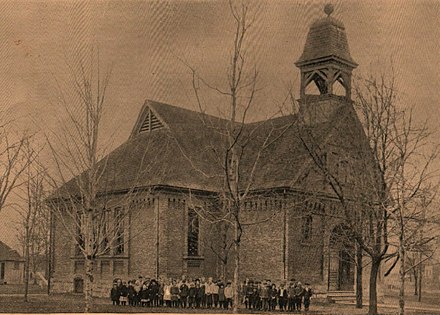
(267, 296)
(198, 293)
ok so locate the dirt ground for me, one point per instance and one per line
(40, 303)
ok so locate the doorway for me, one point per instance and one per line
(341, 260)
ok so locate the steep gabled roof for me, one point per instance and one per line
(188, 152)
(8, 254)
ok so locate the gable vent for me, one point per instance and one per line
(150, 123)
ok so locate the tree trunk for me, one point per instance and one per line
(420, 270)
(236, 271)
(224, 271)
(416, 281)
(26, 267)
(88, 284)
(372, 308)
(402, 278)
(359, 267)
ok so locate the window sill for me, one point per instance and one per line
(193, 257)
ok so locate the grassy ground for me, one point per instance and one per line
(19, 289)
(74, 304)
(429, 299)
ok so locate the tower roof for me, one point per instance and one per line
(326, 40)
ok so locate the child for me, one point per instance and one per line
(298, 295)
(137, 288)
(264, 296)
(154, 293)
(131, 294)
(273, 297)
(291, 296)
(124, 293)
(175, 294)
(115, 294)
(144, 295)
(221, 295)
(307, 296)
(184, 292)
(229, 294)
(192, 295)
(167, 294)
(248, 295)
(282, 298)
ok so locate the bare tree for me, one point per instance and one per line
(385, 178)
(405, 152)
(237, 149)
(33, 227)
(13, 161)
(92, 208)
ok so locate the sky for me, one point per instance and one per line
(148, 45)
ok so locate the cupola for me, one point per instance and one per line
(326, 60)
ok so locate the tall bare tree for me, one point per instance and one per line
(83, 180)
(390, 172)
(34, 223)
(76, 152)
(13, 161)
(237, 148)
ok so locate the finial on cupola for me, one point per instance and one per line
(328, 9)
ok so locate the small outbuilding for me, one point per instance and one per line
(11, 265)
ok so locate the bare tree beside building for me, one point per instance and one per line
(34, 223)
(83, 202)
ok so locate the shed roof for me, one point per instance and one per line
(8, 254)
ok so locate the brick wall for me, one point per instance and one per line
(262, 244)
(174, 207)
(143, 238)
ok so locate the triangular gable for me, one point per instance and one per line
(147, 121)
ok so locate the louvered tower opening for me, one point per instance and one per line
(150, 123)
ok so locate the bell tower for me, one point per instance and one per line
(326, 63)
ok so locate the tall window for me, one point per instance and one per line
(119, 230)
(307, 228)
(193, 233)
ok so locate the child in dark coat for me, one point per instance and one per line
(174, 294)
(124, 293)
(183, 294)
(221, 295)
(192, 295)
(307, 296)
(154, 293)
(131, 294)
(115, 294)
(282, 298)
